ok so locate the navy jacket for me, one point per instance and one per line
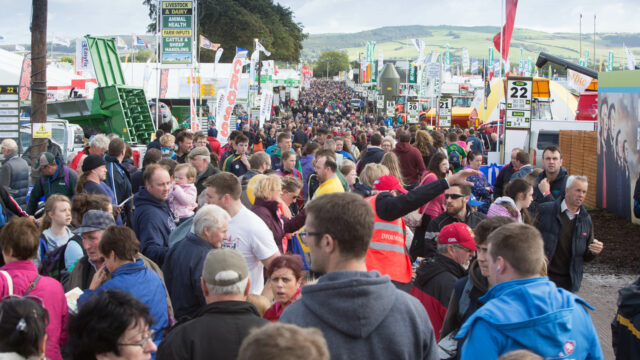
(372, 155)
(182, 270)
(152, 223)
(549, 223)
(14, 176)
(557, 189)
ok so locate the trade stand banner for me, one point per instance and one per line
(223, 118)
(265, 107)
(619, 142)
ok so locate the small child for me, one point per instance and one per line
(167, 141)
(183, 196)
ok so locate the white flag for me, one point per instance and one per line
(259, 47)
(465, 60)
(419, 44)
(380, 61)
(631, 61)
(218, 55)
(255, 57)
(60, 41)
(578, 81)
(120, 43)
(19, 47)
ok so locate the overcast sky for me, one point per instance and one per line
(73, 18)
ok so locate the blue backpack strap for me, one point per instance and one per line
(43, 247)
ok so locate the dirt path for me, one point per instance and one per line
(600, 289)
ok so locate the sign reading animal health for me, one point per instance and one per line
(177, 32)
(519, 102)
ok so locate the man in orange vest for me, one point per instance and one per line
(387, 251)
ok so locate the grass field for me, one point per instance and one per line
(476, 39)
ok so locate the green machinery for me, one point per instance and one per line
(115, 107)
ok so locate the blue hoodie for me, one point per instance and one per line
(153, 223)
(530, 314)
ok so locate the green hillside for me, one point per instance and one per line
(395, 43)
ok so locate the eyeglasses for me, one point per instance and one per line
(453, 196)
(142, 343)
(305, 234)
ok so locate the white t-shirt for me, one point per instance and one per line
(251, 236)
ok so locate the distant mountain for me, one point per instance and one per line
(395, 43)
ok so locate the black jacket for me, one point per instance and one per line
(215, 332)
(372, 155)
(119, 182)
(557, 188)
(549, 223)
(425, 246)
(625, 342)
(389, 207)
(201, 179)
(503, 178)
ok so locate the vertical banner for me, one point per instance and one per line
(25, 78)
(465, 60)
(164, 83)
(265, 107)
(380, 60)
(218, 55)
(413, 74)
(610, 63)
(474, 66)
(447, 60)
(177, 32)
(195, 125)
(224, 116)
(631, 61)
(587, 58)
(374, 71)
(83, 56)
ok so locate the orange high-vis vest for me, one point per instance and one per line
(387, 252)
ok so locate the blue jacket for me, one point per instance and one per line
(372, 155)
(182, 270)
(152, 223)
(119, 182)
(542, 318)
(145, 285)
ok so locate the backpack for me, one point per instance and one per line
(67, 182)
(455, 160)
(52, 262)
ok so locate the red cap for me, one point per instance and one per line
(388, 182)
(457, 233)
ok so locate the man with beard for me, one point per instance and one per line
(436, 276)
(457, 210)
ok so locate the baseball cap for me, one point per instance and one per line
(457, 233)
(388, 182)
(198, 151)
(92, 162)
(95, 220)
(473, 201)
(46, 158)
(224, 267)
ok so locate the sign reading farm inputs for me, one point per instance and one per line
(177, 32)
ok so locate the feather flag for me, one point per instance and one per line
(261, 48)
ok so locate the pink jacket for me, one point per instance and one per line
(434, 207)
(22, 273)
(183, 199)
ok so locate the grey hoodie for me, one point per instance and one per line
(363, 316)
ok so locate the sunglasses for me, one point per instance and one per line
(453, 196)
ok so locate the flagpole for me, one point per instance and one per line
(158, 66)
(502, 23)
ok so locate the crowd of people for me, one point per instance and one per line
(325, 234)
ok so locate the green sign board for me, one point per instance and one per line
(413, 74)
(177, 32)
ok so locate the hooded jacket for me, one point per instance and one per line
(472, 286)
(152, 223)
(625, 325)
(434, 285)
(373, 154)
(215, 332)
(47, 185)
(363, 316)
(542, 318)
(498, 208)
(557, 188)
(14, 174)
(411, 163)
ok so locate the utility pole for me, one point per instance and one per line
(38, 74)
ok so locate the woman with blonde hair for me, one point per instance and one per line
(267, 206)
(390, 160)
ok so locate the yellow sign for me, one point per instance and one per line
(207, 90)
(41, 131)
(177, 5)
(194, 79)
(176, 32)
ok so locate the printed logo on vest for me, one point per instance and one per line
(569, 346)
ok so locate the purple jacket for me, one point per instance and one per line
(267, 210)
(22, 273)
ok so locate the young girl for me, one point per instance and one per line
(518, 197)
(55, 230)
(182, 199)
(168, 142)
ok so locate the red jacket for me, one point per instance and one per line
(411, 163)
(22, 273)
(215, 145)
